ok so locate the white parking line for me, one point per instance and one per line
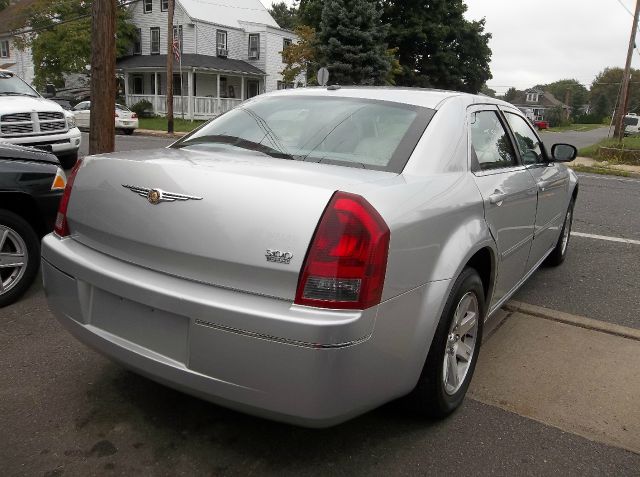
(604, 237)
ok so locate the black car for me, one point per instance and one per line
(31, 185)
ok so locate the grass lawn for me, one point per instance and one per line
(608, 171)
(160, 124)
(627, 143)
(576, 127)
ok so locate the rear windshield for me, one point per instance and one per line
(368, 134)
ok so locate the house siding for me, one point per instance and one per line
(157, 18)
(21, 61)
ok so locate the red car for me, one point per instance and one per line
(541, 124)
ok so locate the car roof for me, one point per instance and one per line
(428, 98)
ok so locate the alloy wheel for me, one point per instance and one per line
(13, 258)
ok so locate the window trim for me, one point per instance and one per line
(145, 4)
(8, 49)
(224, 33)
(477, 171)
(164, 5)
(135, 77)
(152, 30)
(257, 48)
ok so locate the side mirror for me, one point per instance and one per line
(50, 89)
(563, 152)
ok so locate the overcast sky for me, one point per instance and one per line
(537, 42)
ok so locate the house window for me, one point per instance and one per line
(164, 5)
(177, 85)
(155, 40)
(137, 43)
(138, 84)
(177, 33)
(221, 43)
(148, 6)
(4, 49)
(285, 43)
(254, 46)
(532, 97)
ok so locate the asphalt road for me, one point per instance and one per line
(599, 278)
(578, 139)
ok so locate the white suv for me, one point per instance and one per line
(28, 119)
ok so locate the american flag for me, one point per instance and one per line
(176, 48)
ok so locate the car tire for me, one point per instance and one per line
(559, 253)
(438, 393)
(128, 132)
(17, 237)
(68, 160)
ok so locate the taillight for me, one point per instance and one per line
(61, 227)
(346, 262)
(134, 116)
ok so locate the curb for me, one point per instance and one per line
(153, 133)
(575, 320)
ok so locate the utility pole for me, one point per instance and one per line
(624, 96)
(103, 77)
(170, 67)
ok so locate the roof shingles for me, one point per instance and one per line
(226, 65)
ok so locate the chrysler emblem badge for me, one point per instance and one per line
(154, 196)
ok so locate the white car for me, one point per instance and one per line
(126, 120)
(28, 119)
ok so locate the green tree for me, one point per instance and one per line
(606, 88)
(437, 46)
(60, 48)
(510, 95)
(299, 56)
(488, 91)
(310, 13)
(284, 15)
(576, 93)
(352, 42)
(4, 4)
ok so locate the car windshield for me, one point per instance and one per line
(120, 107)
(354, 132)
(11, 85)
(630, 121)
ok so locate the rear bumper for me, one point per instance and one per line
(127, 124)
(63, 143)
(255, 354)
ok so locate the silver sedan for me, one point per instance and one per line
(313, 253)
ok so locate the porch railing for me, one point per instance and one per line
(204, 107)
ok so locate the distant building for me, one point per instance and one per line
(12, 58)
(535, 103)
(231, 50)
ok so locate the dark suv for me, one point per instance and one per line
(31, 185)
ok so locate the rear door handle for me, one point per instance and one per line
(497, 197)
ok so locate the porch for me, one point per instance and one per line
(201, 92)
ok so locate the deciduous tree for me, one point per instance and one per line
(606, 87)
(352, 42)
(437, 46)
(299, 56)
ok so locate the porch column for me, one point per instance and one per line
(242, 88)
(190, 98)
(127, 101)
(219, 106)
(155, 92)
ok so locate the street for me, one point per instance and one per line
(66, 410)
(578, 139)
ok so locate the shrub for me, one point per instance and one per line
(143, 108)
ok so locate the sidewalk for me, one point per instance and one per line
(573, 373)
(634, 171)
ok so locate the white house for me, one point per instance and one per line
(12, 58)
(231, 51)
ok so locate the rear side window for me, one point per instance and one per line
(490, 144)
(528, 144)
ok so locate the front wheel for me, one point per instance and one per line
(559, 253)
(19, 256)
(454, 351)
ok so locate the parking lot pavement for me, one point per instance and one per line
(67, 411)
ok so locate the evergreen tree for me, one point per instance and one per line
(510, 95)
(310, 13)
(284, 15)
(437, 46)
(352, 42)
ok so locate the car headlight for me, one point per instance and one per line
(71, 120)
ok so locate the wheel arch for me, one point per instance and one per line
(25, 206)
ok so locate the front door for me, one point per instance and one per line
(552, 181)
(509, 194)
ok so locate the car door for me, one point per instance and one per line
(552, 181)
(81, 113)
(509, 194)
